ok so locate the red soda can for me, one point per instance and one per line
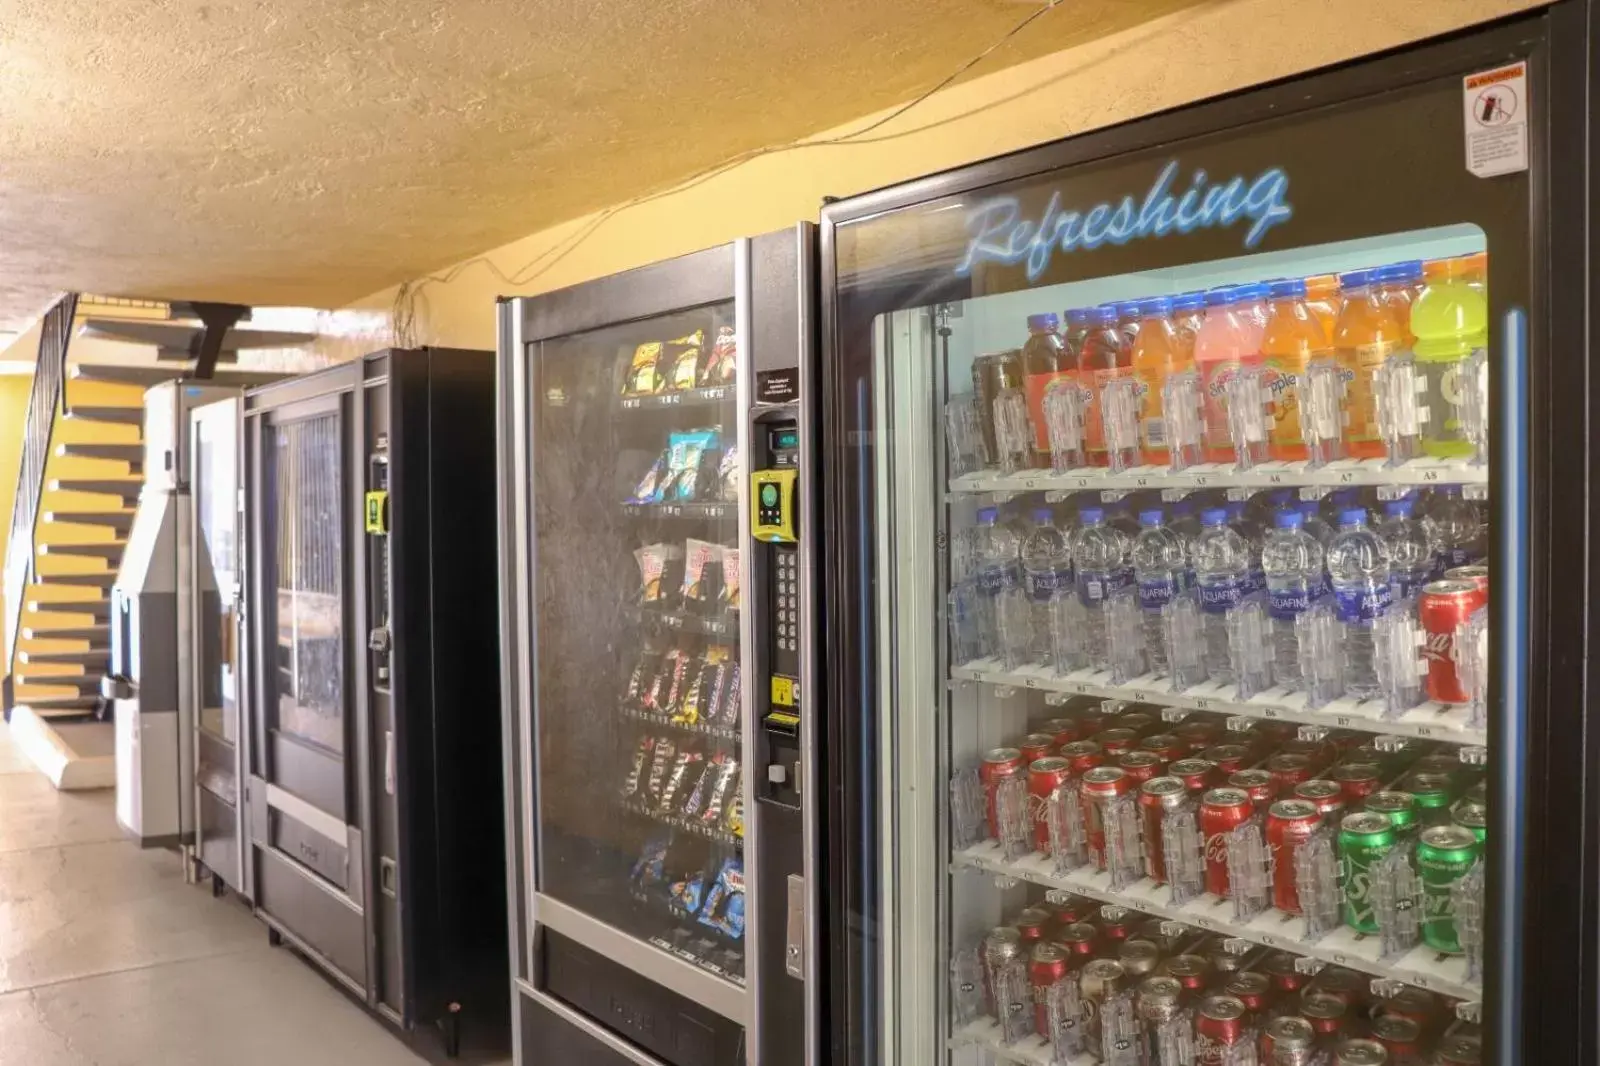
(1326, 796)
(1114, 922)
(1275, 731)
(1033, 923)
(1142, 766)
(1252, 989)
(1116, 741)
(1474, 573)
(1443, 606)
(1072, 909)
(1218, 1023)
(1168, 746)
(1092, 718)
(1319, 752)
(1137, 721)
(1190, 971)
(1222, 810)
(1357, 780)
(1327, 1014)
(1230, 758)
(1198, 734)
(1062, 730)
(1036, 746)
(1279, 968)
(1289, 823)
(1417, 1004)
(1080, 939)
(997, 766)
(1082, 756)
(1100, 786)
(1400, 1037)
(1342, 983)
(1157, 797)
(1047, 965)
(1257, 784)
(1288, 771)
(1044, 777)
(1197, 774)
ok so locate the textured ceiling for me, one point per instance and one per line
(314, 151)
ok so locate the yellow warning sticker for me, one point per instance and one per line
(783, 691)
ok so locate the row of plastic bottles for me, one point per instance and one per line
(1388, 362)
(1299, 604)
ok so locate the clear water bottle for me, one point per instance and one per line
(1358, 565)
(1293, 561)
(996, 552)
(1159, 570)
(1248, 528)
(1046, 577)
(1411, 556)
(1100, 559)
(1454, 529)
(1315, 524)
(1222, 572)
(1182, 522)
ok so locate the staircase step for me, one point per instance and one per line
(97, 608)
(127, 488)
(109, 551)
(102, 580)
(116, 416)
(96, 635)
(116, 521)
(123, 453)
(85, 685)
(155, 375)
(62, 703)
(91, 657)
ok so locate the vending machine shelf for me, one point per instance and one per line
(1429, 721)
(1344, 473)
(1422, 966)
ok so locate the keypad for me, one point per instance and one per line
(787, 608)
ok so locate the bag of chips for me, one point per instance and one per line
(650, 868)
(723, 363)
(644, 377)
(730, 578)
(684, 355)
(724, 906)
(653, 560)
(653, 484)
(701, 572)
(728, 473)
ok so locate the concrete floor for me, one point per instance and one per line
(108, 959)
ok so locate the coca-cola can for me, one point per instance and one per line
(1033, 923)
(1062, 730)
(1230, 758)
(1036, 746)
(1094, 716)
(1274, 731)
(1190, 971)
(1443, 606)
(1138, 721)
(1357, 780)
(1328, 1015)
(1360, 1052)
(1197, 774)
(1417, 1004)
(1342, 983)
(1114, 922)
(1139, 957)
(1320, 753)
(1218, 1021)
(1475, 573)
(998, 765)
(1280, 969)
(1157, 798)
(1288, 771)
(1080, 939)
(1289, 823)
(1326, 796)
(1222, 810)
(1100, 786)
(1257, 784)
(1044, 777)
(1289, 1040)
(1047, 966)
(1071, 909)
(1116, 741)
(1401, 1037)
(1198, 734)
(1251, 988)
(1169, 747)
(1082, 756)
(1142, 766)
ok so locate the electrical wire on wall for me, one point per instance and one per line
(403, 314)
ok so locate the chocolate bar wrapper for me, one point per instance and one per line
(679, 683)
(660, 763)
(692, 710)
(716, 807)
(658, 693)
(727, 709)
(641, 756)
(702, 788)
(735, 821)
(681, 770)
(643, 671)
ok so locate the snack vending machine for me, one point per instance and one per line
(655, 573)
(1205, 581)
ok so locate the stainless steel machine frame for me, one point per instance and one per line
(648, 1006)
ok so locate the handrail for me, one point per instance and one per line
(45, 402)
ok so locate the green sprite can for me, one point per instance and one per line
(1364, 839)
(1473, 816)
(1400, 807)
(1432, 793)
(1444, 855)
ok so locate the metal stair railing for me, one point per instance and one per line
(45, 403)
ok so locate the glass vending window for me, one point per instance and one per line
(307, 510)
(216, 504)
(635, 506)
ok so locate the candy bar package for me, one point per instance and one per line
(641, 756)
(692, 710)
(679, 685)
(721, 788)
(724, 906)
(701, 572)
(654, 563)
(687, 764)
(645, 371)
(643, 672)
(650, 869)
(735, 821)
(660, 764)
(730, 578)
(728, 473)
(723, 362)
(725, 710)
(686, 894)
(696, 802)
(654, 482)
(659, 694)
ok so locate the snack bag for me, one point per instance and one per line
(728, 473)
(717, 805)
(724, 906)
(692, 710)
(730, 578)
(644, 376)
(700, 572)
(687, 893)
(702, 788)
(688, 762)
(685, 366)
(653, 560)
(660, 761)
(723, 362)
(679, 684)
(649, 870)
(690, 450)
(735, 822)
(653, 484)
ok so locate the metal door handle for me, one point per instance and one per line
(794, 951)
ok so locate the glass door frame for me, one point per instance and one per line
(1542, 790)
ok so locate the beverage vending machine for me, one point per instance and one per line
(1204, 581)
(656, 572)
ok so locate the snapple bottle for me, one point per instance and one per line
(1292, 339)
(1322, 297)
(1045, 362)
(1229, 339)
(1367, 334)
(1160, 350)
(1103, 357)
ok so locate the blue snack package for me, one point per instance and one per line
(686, 893)
(648, 871)
(724, 909)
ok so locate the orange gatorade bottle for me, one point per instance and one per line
(1322, 296)
(1367, 334)
(1292, 339)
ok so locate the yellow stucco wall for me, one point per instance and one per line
(1195, 54)
(13, 412)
